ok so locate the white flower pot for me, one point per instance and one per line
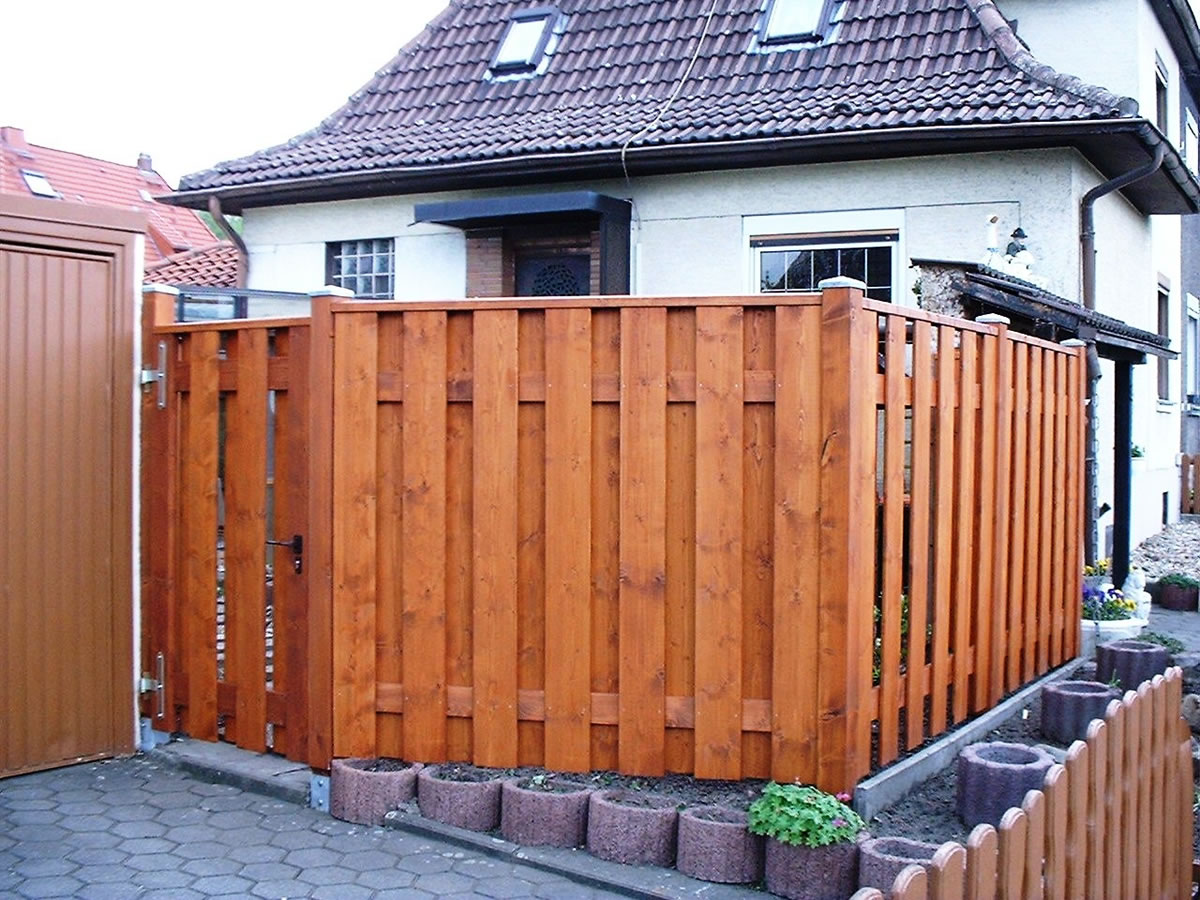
(1094, 633)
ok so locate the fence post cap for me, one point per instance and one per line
(841, 281)
(331, 290)
(993, 319)
(1074, 342)
(152, 288)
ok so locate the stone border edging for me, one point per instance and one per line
(265, 774)
(648, 882)
(894, 783)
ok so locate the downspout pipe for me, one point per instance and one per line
(214, 210)
(1087, 241)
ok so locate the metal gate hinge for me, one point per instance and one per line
(157, 376)
(148, 684)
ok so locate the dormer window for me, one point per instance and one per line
(525, 40)
(38, 184)
(795, 21)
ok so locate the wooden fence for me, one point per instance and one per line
(637, 533)
(1115, 822)
(1189, 485)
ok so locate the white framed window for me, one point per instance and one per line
(1162, 102)
(1164, 329)
(795, 253)
(793, 21)
(524, 42)
(1191, 352)
(39, 185)
(366, 267)
(1191, 142)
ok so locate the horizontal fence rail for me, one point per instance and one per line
(1114, 822)
(619, 532)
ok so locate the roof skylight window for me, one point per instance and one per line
(38, 183)
(791, 21)
(525, 41)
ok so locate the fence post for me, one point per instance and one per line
(157, 523)
(319, 542)
(847, 568)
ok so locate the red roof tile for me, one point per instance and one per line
(98, 182)
(213, 266)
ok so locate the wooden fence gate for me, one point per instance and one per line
(66, 462)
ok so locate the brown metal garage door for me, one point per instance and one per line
(66, 370)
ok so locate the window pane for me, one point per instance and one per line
(772, 266)
(854, 263)
(824, 265)
(795, 18)
(879, 266)
(521, 42)
(799, 274)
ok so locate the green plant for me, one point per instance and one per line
(802, 815)
(1171, 644)
(1136, 451)
(1179, 579)
(1106, 605)
(1101, 567)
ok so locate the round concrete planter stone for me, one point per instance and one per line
(1093, 633)
(715, 845)
(554, 816)
(474, 805)
(632, 827)
(993, 776)
(880, 860)
(813, 873)
(1130, 662)
(1068, 707)
(363, 791)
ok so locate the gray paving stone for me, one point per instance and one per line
(147, 845)
(104, 874)
(33, 817)
(183, 834)
(310, 857)
(86, 823)
(27, 804)
(173, 800)
(222, 884)
(163, 878)
(97, 856)
(215, 866)
(268, 871)
(365, 860)
(439, 883)
(83, 808)
(403, 894)
(381, 879)
(108, 891)
(37, 868)
(564, 890)
(95, 839)
(26, 834)
(342, 892)
(285, 888)
(132, 813)
(171, 894)
(152, 862)
(257, 853)
(298, 840)
(214, 790)
(320, 875)
(505, 886)
(235, 818)
(183, 815)
(53, 886)
(201, 850)
(425, 863)
(139, 829)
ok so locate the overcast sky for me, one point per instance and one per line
(190, 84)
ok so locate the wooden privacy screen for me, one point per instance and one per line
(1114, 822)
(772, 536)
(227, 612)
(636, 534)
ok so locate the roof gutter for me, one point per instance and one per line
(1087, 241)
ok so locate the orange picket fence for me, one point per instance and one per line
(785, 536)
(1115, 822)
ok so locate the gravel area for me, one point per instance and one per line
(1175, 549)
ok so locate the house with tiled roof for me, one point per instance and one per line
(733, 146)
(33, 170)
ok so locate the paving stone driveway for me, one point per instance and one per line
(134, 828)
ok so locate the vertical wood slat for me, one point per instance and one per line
(1016, 673)
(893, 539)
(983, 634)
(1002, 543)
(947, 873)
(198, 535)
(355, 381)
(1156, 727)
(944, 534)
(1080, 787)
(1062, 565)
(919, 530)
(1034, 806)
(1142, 788)
(423, 530)
(964, 563)
(245, 538)
(1114, 800)
(291, 517)
(1130, 819)
(1056, 787)
(1013, 838)
(982, 858)
(1032, 655)
(1045, 617)
(1073, 563)
(494, 480)
(642, 622)
(795, 632)
(319, 541)
(846, 569)
(568, 538)
(1097, 876)
(718, 603)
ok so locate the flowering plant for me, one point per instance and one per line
(1101, 567)
(802, 815)
(1107, 605)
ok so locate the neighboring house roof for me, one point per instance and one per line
(97, 182)
(1048, 315)
(215, 265)
(619, 92)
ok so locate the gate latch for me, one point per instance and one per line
(296, 545)
(158, 376)
(147, 684)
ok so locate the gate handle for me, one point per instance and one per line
(296, 545)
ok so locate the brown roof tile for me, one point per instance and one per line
(215, 265)
(888, 64)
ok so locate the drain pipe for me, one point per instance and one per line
(214, 210)
(1087, 241)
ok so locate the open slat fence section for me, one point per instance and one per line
(1189, 486)
(788, 537)
(1114, 822)
(230, 457)
(977, 460)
